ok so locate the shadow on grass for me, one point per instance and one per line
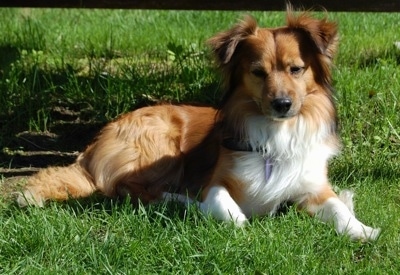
(353, 174)
(51, 114)
(9, 54)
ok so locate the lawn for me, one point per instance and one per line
(64, 73)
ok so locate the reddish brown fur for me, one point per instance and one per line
(154, 147)
(176, 148)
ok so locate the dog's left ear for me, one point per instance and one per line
(323, 32)
(224, 44)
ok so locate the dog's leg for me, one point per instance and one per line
(219, 204)
(328, 207)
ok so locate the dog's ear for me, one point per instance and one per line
(224, 44)
(323, 32)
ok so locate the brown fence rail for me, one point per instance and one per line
(259, 5)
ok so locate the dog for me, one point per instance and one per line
(268, 142)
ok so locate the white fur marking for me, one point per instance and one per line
(221, 206)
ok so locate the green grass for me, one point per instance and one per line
(101, 63)
(115, 238)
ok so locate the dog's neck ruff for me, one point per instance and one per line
(236, 145)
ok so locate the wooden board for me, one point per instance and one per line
(257, 5)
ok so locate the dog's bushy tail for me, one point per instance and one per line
(56, 183)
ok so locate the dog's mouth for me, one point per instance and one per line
(280, 118)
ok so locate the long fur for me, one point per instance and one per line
(277, 100)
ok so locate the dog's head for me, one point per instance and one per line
(277, 68)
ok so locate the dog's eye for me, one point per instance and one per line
(295, 70)
(259, 73)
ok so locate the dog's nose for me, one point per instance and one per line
(281, 105)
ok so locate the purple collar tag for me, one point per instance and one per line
(268, 169)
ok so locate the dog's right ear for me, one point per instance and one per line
(224, 44)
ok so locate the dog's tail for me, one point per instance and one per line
(56, 183)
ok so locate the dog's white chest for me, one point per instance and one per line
(255, 173)
(268, 183)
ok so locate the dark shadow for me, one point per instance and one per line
(8, 55)
(377, 171)
(98, 202)
(72, 120)
(30, 151)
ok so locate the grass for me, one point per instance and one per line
(114, 238)
(100, 63)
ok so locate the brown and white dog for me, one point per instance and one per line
(268, 143)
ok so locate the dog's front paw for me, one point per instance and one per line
(372, 233)
(240, 220)
(358, 231)
(365, 234)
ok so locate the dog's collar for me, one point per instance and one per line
(236, 145)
